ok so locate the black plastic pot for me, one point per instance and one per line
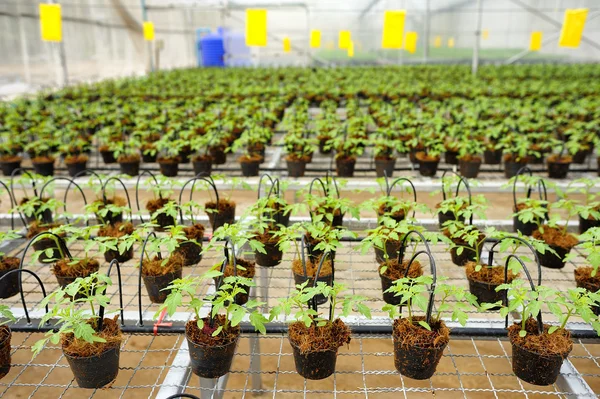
(271, 258)
(592, 288)
(534, 368)
(241, 298)
(76, 168)
(469, 169)
(9, 167)
(299, 279)
(296, 168)
(388, 297)
(428, 168)
(486, 292)
(467, 255)
(111, 218)
(202, 168)
(218, 155)
(314, 365)
(525, 228)
(44, 244)
(163, 221)
(580, 156)
(586, 224)
(130, 168)
(9, 286)
(5, 351)
(219, 219)
(385, 167)
(511, 168)
(44, 168)
(110, 255)
(415, 362)
(558, 170)
(169, 169)
(149, 158)
(443, 217)
(95, 371)
(250, 168)
(156, 284)
(322, 150)
(391, 247)
(451, 157)
(492, 157)
(552, 261)
(345, 167)
(108, 157)
(211, 361)
(192, 253)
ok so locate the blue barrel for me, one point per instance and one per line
(212, 50)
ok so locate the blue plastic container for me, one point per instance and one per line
(211, 47)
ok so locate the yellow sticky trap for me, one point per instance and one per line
(148, 31)
(393, 29)
(287, 45)
(437, 42)
(315, 38)
(451, 42)
(410, 42)
(256, 27)
(344, 39)
(351, 49)
(51, 22)
(485, 34)
(535, 42)
(330, 45)
(572, 29)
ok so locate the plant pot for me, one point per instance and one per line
(467, 255)
(192, 253)
(580, 156)
(44, 244)
(95, 371)
(451, 157)
(202, 168)
(156, 284)
(586, 224)
(5, 359)
(169, 169)
(218, 155)
(271, 258)
(345, 167)
(9, 166)
(211, 361)
(76, 168)
(299, 279)
(149, 158)
(385, 167)
(591, 286)
(558, 170)
(9, 286)
(220, 218)
(314, 365)
(322, 144)
(44, 168)
(486, 292)
(443, 217)
(534, 368)
(552, 261)
(163, 221)
(108, 157)
(470, 169)
(511, 168)
(110, 255)
(240, 298)
(296, 168)
(492, 157)
(388, 297)
(428, 168)
(250, 168)
(111, 218)
(391, 247)
(130, 168)
(416, 362)
(525, 228)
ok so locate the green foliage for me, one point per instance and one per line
(590, 245)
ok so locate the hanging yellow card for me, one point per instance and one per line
(393, 29)
(351, 49)
(148, 31)
(572, 29)
(344, 39)
(51, 22)
(315, 38)
(485, 34)
(256, 27)
(410, 42)
(437, 42)
(535, 42)
(451, 42)
(287, 45)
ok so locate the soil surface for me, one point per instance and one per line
(225, 205)
(128, 158)
(492, 275)
(556, 236)
(204, 337)
(156, 204)
(395, 271)
(249, 269)
(311, 268)
(117, 230)
(36, 228)
(412, 334)
(316, 339)
(74, 159)
(156, 267)
(9, 263)
(557, 343)
(82, 268)
(195, 232)
(583, 277)
(421, 156)
(111, 332)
